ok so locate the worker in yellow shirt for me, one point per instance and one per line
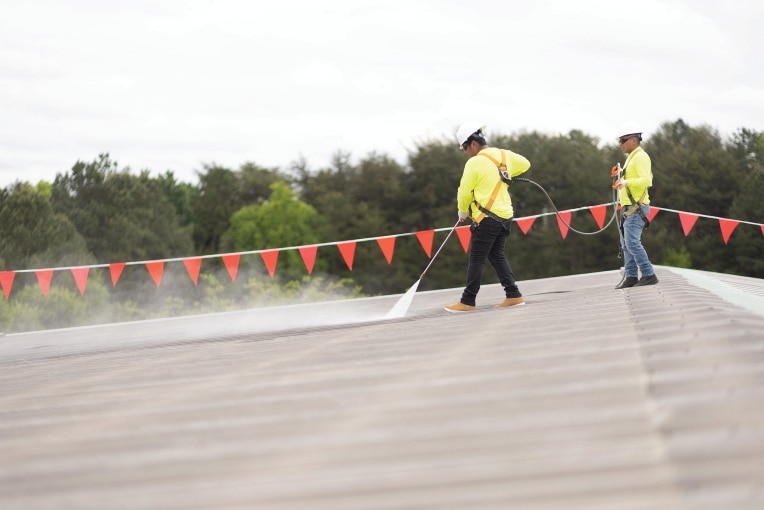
(634, 199)
(483, 196)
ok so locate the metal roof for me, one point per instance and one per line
(588, 397)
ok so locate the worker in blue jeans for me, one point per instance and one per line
(634, 199)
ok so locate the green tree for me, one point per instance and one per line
(32, 235)
(692, 168)
(180, 195)
(120, 215)
(255, 182)
(747, 241)
(361, 201)
(697, 171)
(282, 221)
(429, 188)
(217, 198)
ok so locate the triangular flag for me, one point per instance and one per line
(308, 254)
(688, 221)
(271, 258)
(525, 223)
(43, 277)
(653, 213)
(762, 229)
(116, 271)
(425, 239)
(348, 252)
(6, 280)
(156, 268)
(465, 234)
(81, 278)
(193, 265)
(387, 245)
(563, 220)
(232, 264)
(727, 227)
(599, 212)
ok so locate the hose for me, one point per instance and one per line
(557, 212)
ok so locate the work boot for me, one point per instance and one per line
(511, 301)
(628, 281)
(459, 307)
(647, 280)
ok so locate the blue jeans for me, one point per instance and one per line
(488, 240)
(634, 254)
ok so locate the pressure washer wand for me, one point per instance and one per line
(617, 173)
(441, 247)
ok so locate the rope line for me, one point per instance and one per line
(335, 243)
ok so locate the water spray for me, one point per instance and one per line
(402, 306)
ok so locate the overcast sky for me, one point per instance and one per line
(176, 84)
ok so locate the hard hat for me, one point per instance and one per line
(629, 129)
(466, 130)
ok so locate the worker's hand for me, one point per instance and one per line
(620, 183)
(462, 216)
(614, 171)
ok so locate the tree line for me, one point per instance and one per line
(98, 212)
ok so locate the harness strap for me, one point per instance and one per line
(636, 206)
(502, 166)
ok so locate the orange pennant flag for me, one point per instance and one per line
(156, 269)
(193, 266)
(43, 277)
(653, 213)
(387, 245)
(525, 223)
(599, 211)
(348, 252)
(81, 278)
(308, 254)
(116, 271)
(425, 239)
(727, 226)
(563, 220)
(271, 258)
(688, 221)
(6, 280)
(232, 264)
(465, 234)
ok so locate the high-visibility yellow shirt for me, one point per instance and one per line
(479, 180)
(639, 176)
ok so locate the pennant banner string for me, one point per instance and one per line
(367, 239)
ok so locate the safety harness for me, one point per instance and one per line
(505, 179)
(636, 205)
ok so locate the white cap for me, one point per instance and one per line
(629, 129)
(468, 129)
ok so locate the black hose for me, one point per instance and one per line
(557, 212)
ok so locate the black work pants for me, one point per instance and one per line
(488, 240)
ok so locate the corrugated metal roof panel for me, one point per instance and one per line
(588, 397)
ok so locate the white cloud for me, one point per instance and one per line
(174, 84)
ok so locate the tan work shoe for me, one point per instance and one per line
(511, 301)
(459, 307)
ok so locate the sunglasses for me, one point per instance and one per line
(624, 139)
(465, 145)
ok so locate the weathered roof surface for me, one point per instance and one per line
(588, 397)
